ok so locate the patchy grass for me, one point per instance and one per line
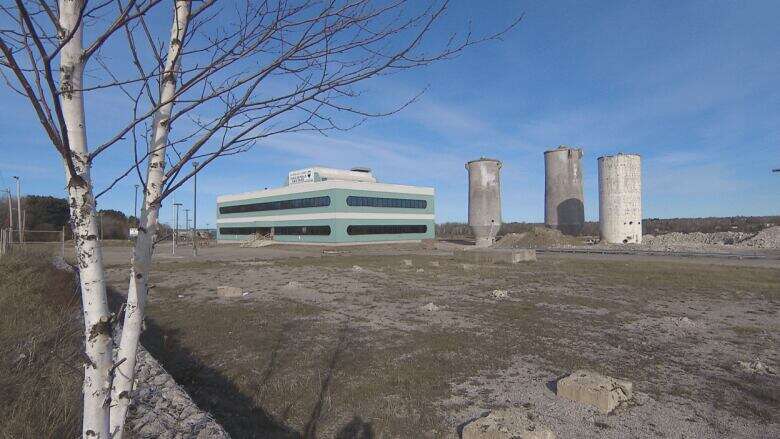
(40, 345)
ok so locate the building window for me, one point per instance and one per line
(284, 230)
(385, 229)
(402, 203)
(244, 230)
(299, 203)
(303, 230)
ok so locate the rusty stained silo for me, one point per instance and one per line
(484, 199)
(564, 207)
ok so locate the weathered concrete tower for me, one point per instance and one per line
(484, 199)
(620, 198)
(564, 207)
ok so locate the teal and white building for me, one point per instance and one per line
(329, 206)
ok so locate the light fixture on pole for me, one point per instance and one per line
(135, 208)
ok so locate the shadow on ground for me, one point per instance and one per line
(236, 412)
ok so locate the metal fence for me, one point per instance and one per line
(14, 240)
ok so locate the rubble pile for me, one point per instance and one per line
(767, 238)
(536, 238)
(258, 240)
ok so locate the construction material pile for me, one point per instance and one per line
(538, 237)
(768, 238)
(258, 240)
(696, 238)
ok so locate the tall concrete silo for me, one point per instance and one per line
(484, 199)
(620, 198)
(564, 207)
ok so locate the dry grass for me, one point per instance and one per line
(40, 341)
(289, 369)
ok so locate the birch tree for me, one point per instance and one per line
(228, 76)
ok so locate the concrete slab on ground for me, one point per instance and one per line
(602, 392)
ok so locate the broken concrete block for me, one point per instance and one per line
(491, 255)
(224, 291)
(507, 424)
(499, 294)
(602, 392)
(431, 307)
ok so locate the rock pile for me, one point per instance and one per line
(258, 240)
(767, 238)
(695, 238)
(162, 409)
(536, 238)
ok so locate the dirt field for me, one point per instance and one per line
(344, 345)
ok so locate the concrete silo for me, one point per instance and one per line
(564, 208)
(620, 198)
(484, 199)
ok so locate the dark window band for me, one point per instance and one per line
(402, 203)
(285, 230)
(385, 229)
(299, 203)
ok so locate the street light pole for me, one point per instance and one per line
(195, 210)
(19, 207)
(186, 219)
(10, 216)
(175, 224)
(135, 208)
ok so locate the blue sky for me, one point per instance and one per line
(691, 86)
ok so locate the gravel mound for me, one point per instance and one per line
(257, 240)
(767, 238)
(696, 238)
(537, 237)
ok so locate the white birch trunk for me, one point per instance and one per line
(97, 319)
(142, 252)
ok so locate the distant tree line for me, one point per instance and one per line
(47, 213)
(652, 226)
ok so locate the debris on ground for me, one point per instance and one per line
(335, 252)
(357, 268)
(535, 238)
(434, 264)
(756, 367)
(507, 424)
(407, 263)
(420, 270)
(600, 391)
(258, 240)
(499, 294)
(431, 307)
(226, 291)
(767, 238)
(696, 238)
(292, 285)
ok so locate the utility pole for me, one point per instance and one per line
(186, 219)
(135, 209)
(10, 216)
(195, 210)
(176, 207)
(19, 208)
